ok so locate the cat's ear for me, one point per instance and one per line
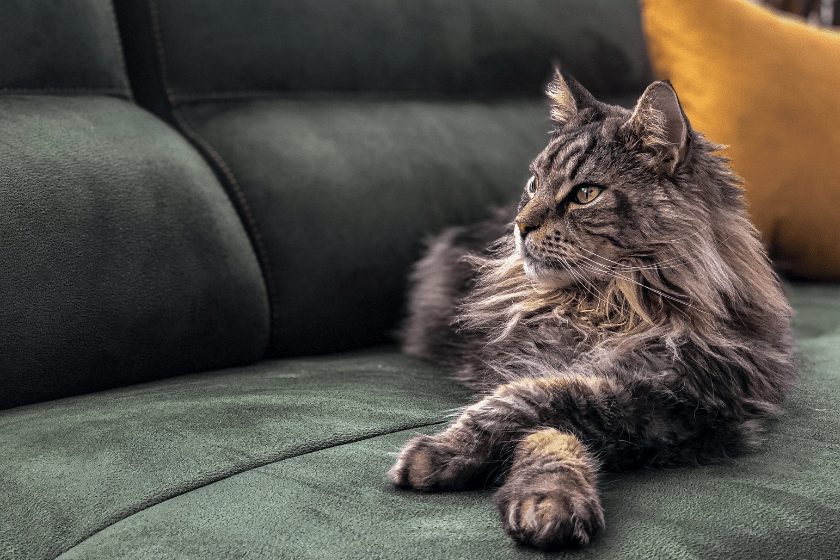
(568, 98)
(660, 123)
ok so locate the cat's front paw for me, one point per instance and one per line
(538, 510)
(429, 463)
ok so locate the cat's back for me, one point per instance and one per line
(440, 281)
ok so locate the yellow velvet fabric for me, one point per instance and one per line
(767, 86)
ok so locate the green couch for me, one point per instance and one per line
(207, 213)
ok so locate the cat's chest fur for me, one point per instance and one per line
(553, 338)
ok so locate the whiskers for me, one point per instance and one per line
(700, 255)
(585, 282)
(579, 271)
(595, 266)
(686, 275)
(689, 256)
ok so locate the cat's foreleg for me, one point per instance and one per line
(463, 455)
(487, 432)
(550, 496)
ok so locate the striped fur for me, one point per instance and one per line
(642, 328)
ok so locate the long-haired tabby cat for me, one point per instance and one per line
(627, 316)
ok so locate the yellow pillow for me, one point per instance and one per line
(768, 86)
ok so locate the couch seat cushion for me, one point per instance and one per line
(287, 459)
(70, 468)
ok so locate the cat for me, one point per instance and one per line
(624, 315)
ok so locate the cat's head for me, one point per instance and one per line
(617, 192)
(632, 222)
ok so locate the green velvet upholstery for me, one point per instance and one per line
(124, 261)
(61, 46)
(345, 131)
(343, 190)
(218, 48)
(72, 467)
(264, 197)
(287, 459)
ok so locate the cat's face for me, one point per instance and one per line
(602, 189)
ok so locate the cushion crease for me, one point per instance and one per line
(257, 465)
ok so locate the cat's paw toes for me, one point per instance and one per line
(549, 518)
(427, 463)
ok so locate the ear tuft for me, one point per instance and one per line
(563, 105)
(658, 120)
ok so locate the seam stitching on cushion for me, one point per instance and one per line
(158, 38)
(256, 236)
(116, 34)
(188, 98)
(107, 91)
(261, 464)
(241, 201)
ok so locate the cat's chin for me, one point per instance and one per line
(541, 274)
(548, 278)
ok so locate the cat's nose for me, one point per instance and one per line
(525, 228)
(531, 217)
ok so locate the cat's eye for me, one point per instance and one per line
(532, 185)
(586, 193)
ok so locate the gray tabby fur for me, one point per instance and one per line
(651, 314)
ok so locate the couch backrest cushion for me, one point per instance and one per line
(121, 257)
(341, 191)
(467, 47)
(346, 130)
(61, 46)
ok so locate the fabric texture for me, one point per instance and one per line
(70, 468)
(61, 46)
(287, 459)
(124, 260)
(765, 85)
(400, 117)
(342, 192)
(217, 48)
